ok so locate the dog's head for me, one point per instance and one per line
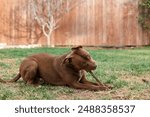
(80, 59)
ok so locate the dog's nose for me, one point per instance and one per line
(95, 66)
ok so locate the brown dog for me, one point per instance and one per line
(68, 69)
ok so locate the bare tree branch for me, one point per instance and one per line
(48, 14)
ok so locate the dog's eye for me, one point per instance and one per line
(85, 64)
(88, 57)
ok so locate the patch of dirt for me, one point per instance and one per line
(8, 60)
(83, 94)
(125, 93)
(138, 79)
(119, 94)
(94, 95)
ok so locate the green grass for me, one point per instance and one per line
(124, 69)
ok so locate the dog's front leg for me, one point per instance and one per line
(85, 81)
(78, 85)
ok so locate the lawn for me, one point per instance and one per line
(125, 69)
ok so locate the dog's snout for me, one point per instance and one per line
(95, 66)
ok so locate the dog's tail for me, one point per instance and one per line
(12, 80)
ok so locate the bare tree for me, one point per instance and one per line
(34, 19)
(48, 13)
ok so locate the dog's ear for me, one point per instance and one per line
(67, 60)
(76, 48)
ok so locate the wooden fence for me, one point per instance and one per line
(93, 23)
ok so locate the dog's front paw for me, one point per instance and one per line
(109, 86)
(105, 87)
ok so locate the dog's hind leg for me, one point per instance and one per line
(29, 72)
(38, 81)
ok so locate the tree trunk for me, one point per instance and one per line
(49, 38)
